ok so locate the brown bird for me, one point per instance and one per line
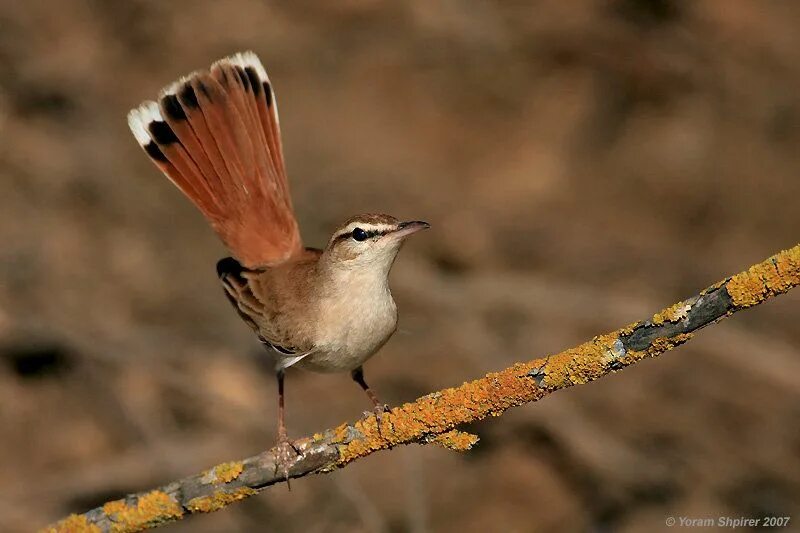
(215, 134)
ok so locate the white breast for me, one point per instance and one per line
(353, 322)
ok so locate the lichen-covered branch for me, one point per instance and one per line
(435, 417)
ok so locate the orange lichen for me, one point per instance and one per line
(627, 330)
(218, 500)
(489, 396)
(663, 344)
(657, 347)
(559, 368)
(112, 508)
(455, 440)
(747, 288)
(774, 276)
(674, 313)
(227, 472)
(787, 265)
(581, 364)
(151, 508)
(585, 368)
(74, 523)
(437, 414)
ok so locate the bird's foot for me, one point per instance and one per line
(378, 411)
(285, 456)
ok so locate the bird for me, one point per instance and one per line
(216, 135)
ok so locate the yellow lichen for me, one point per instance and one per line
(152, 508)
(218, 500)
(227, 472)
(556, 372)
(496, 392)
(657, 347)
(673, 313)
(456, 440)
(787, 265)
(584, 369)
(115, 507)
(663, 344)
(747, 288)
(581, 364)
(438, 413)
(776, 275)
(74, 523)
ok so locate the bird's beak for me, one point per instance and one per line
(405, 229)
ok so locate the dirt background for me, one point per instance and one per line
(582, 163)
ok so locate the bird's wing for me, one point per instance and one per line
(216, 136)
(266, 311)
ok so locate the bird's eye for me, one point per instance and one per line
(360, 235)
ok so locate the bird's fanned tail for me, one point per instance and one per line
(216, 136)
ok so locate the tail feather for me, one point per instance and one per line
(195, 124)
(266, 105)
(215, 135)
(163, 147)
(178, 121)
(226, 130)
(233, 75)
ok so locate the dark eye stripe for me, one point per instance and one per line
(349, 234)
(360, 235)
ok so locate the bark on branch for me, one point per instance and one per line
(435, 417)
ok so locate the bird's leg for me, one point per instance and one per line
(285, 452)
(378, 407)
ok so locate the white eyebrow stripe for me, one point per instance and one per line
(368, 227)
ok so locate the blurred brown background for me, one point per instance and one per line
(583, 164)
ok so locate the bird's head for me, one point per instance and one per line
(369, 241)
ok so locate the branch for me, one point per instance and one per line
(433, 418)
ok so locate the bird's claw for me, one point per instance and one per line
(285, 455)
(378, 411)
